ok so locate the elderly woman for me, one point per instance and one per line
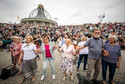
(17, 51)
(112, 60)
(47, 49)
(67, 58)
(82, 53)
(29, 64)
(11, 49)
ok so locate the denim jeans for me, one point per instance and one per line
(112, 68)
(80, 59)
(45, 64)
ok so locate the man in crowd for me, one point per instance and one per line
(94, 62)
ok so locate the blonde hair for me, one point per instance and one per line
(14, 37)
(19, 38)
(83, 38)
(68, 41)
(31, 38)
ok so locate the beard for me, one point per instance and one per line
(97, 36)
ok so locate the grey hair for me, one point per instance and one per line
(83, 38)
(115, 37)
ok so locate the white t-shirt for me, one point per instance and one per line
(84, 50)
(60, 43)
(74, 41)
(28, 51)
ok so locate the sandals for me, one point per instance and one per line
(111, 82)
(71, 77)
(20, 72)
(22, 80)
(104, 82)
(64, 79)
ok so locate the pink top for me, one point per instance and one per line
(48, 54)
(17, 50)
(37, 47)
(12, 46)
(67, 51)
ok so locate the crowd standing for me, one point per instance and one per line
(99, 44)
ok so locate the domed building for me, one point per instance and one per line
(39, 16)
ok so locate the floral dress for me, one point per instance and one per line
(67, 58)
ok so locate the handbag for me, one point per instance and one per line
(4, 73)
(7, 72)
(13, 72)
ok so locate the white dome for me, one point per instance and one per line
(40, 12)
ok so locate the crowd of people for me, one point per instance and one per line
(100, 44)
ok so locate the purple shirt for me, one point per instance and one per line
(114, 53)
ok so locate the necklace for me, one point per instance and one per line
(112, 46)
(27, 45)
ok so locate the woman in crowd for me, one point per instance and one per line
(74, 43)
(83, 53)
(37, 44)
(67, 58)
(1, 45)
(112, 60)
(59, 42)
(17, 51)
(29, 64)
(11, 49)
(47, 49)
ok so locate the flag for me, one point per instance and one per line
(18, 17)
(103, 15)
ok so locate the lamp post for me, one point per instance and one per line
(101, 17)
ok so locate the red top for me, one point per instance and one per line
(37, 47)
(48, 54)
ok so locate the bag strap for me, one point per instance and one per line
(9, 66)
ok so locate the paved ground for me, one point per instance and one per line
(5, 60)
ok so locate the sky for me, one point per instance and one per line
(68, 12)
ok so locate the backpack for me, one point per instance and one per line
(6, 73)
(13, 72)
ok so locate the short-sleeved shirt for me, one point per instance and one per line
(114, 53)
(95, 48)
(28, 51)
(67, 50)
(84, 50)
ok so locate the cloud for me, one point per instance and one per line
(76, 14)
(116, 4)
